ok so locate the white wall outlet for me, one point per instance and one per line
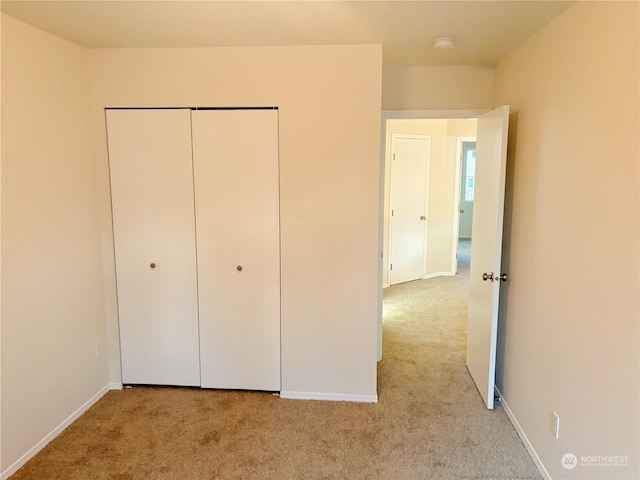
(555, 425)
(98, 348)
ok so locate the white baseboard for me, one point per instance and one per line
(54, 433)
(523, 437)
(438, 274)
(334, 397)
(116, 386)
(426, 277)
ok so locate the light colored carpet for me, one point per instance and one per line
(430, 422)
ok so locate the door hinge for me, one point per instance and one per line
(394, 156)
(392, 213)
(391, 267)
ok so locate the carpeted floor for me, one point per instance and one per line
(430, 422)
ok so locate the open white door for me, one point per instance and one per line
(486, 250)
(467, 189)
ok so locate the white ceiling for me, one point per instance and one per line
(484, 31)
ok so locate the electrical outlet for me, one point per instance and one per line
(555, 425)
(98, 348)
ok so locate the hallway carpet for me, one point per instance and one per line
(430, 422)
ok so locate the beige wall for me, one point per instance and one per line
(570, 336)
(443, 135)
(419, 88)
(52, 302)
(329, 101)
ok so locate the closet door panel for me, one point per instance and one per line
(217, 233)
(154, 236)
(237, 218)
(259, 240)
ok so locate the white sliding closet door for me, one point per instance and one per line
(154, 234)
(235, 155)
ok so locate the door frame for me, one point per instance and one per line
(393, 115)
(456, 203)
(425, 230)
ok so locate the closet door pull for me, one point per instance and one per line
(239, 268)
(152, 265)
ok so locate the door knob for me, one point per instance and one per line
(422, 217)
(239, 268)
(462, 210)
(152, 265)
(489, 276)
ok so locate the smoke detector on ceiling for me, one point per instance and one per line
(443, 43)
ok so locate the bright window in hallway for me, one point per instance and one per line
(470, 176)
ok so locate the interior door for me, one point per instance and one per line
(467, 189)
(154, 237)
(486, 250)
(409, 194)
(235, 155)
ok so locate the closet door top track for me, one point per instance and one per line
(191, 108)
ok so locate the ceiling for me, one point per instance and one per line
(484, 31)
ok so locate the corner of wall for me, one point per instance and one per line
(52, 303)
